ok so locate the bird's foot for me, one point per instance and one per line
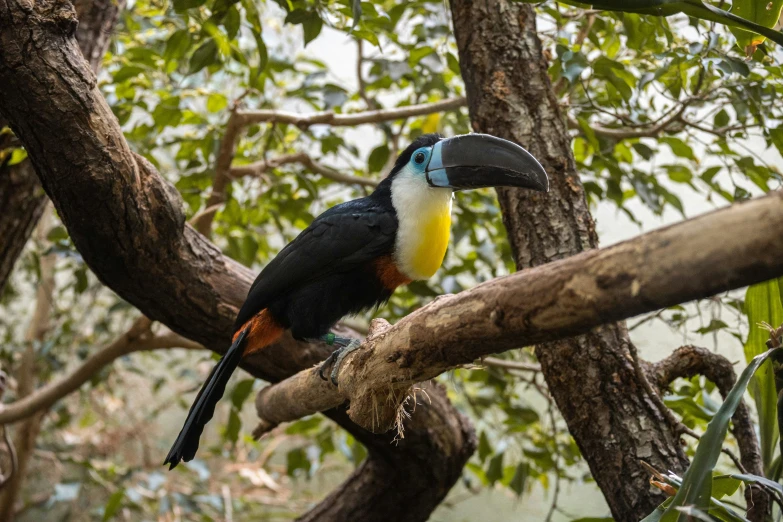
(344, 347)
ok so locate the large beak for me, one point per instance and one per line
(480, 160)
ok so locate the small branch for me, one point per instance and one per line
(509, 365)
(241, 119)
(542, 304)
(222, 168)
(137, 338)
(643, 132)
(349, 120)
(261, 167)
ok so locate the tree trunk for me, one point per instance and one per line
(21, 196)
(128, 224)
(22, 200)
(614, 422)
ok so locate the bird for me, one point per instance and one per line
(354, 255)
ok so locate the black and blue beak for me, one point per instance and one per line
(480, 160)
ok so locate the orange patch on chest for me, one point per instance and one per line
(390, 276)
(264, 330)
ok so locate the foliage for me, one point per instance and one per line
(695, 489)
(665, 112)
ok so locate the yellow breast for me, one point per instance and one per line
(433, 240)
(424, 217)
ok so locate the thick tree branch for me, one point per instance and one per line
(551, 302)
(128, 224)
(21, 196)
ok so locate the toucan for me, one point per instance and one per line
(353, 256)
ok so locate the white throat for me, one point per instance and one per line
(424, 216)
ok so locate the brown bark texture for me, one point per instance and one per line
(128, 223)
(21, 196)
(540, 305)
(614, 422)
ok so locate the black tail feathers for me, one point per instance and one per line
(203, 408)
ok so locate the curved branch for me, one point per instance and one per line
(542, 304)
(688, 361)
(21, 196)
(130, 342)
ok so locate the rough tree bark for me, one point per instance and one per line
(611, 417)
(128, 224)
(21, 196)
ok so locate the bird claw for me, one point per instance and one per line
(336, 358)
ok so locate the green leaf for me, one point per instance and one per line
(113, 505)
(296, 460)
(453, 63)
(696, 488)
(17, 156)
(724, 486)
(356, 9)
(216, 102)
(762, 12)
(763, 305)
(378, 158)
(485, 449)
(177, 45)
(495, 468)
(749, 478)
(233, 426)
(312, 28)
(183, 5)
(679, 147)
(418, 53)
(241, 392)
(205, 55)
(517, 484)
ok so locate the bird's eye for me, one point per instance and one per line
(419, 158)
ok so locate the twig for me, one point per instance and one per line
(509, 365)
(261, 167)
(238, 120)
(348, 120)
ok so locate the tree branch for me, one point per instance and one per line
(504, 364)
(554, 301)
(138, 338)
(349, 120)
(688, 361)
(21, 196)
(261, 167)
(27, 433)
(240, 119)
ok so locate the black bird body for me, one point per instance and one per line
(337, 266)
(353, 256)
